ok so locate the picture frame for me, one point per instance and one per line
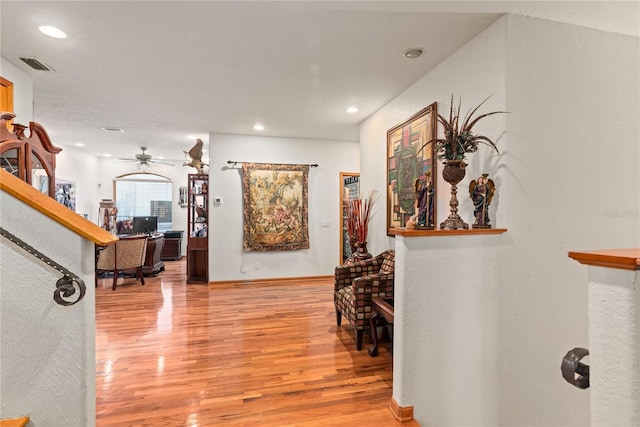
(182, 197)
(65, 193)
(349, 190)
(408, 160)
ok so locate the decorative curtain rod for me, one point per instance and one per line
(314, 165)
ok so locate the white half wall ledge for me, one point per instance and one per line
(614, 314)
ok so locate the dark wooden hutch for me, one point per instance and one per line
(197, 229)
(31, 158)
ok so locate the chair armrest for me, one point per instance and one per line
(345, 274)
(373, 286)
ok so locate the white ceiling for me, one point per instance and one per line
(163, 70)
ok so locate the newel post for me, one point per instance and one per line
(614, 335)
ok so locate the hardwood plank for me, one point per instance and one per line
(176, 354)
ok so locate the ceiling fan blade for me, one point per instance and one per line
(161, 162)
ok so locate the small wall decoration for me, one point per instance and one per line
(275, 207)
(349, 190)
(423, 218)
(65, 193)
(107, 215)
(182, 197)
(481, 192)
(406, 163)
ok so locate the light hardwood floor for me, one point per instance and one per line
(172, 354)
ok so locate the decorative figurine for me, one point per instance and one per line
(424, 202)
(481, 193)
(195, 155)
(411, 222)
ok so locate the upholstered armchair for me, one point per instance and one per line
(357, 284)
(123, 255)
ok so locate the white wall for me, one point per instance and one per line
(47, 363)
(575, 184)
(22, 91)
(484, 321)
(81, 168)
(481, 74)
(226, 253)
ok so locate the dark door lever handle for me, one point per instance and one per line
(573, 370)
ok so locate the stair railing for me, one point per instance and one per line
(67, 286)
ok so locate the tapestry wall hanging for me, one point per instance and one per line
(275, 207)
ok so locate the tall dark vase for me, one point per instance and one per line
(453, 172)
(361, 252)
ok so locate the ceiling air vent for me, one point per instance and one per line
(35, 64)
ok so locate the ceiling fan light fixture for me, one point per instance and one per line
(413, 52)
(144, 160)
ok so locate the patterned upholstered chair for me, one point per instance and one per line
(124, 255)
(356, 284)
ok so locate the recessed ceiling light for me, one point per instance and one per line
(107, 155)
(52, 32)
(79, 144)
(113, 129)
(352, 110)
(258, 127)
(161, 157)
(414, 52)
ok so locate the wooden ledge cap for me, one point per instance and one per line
(626, 259)
(418, 233)
(14, 422)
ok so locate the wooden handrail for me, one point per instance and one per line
(54, 210)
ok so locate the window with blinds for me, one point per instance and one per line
(145, 195)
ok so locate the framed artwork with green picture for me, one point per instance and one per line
(409, 165)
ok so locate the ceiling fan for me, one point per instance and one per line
(145, 160)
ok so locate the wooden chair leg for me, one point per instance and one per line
(373, 322)
(140, 275)
(359, 336)
(115, 280)
(338, 317)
